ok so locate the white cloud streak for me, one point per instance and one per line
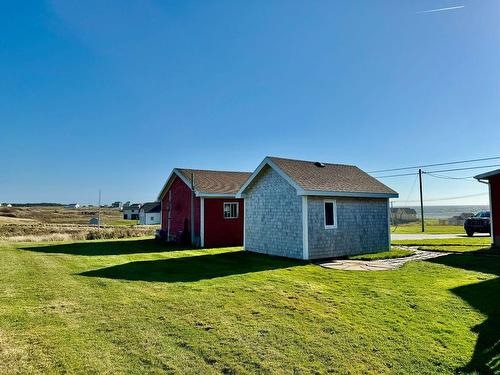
(441, 9)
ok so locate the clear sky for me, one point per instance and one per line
(115, 94)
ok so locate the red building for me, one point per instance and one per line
(493, 180)
(200, 207)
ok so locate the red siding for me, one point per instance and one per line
(495, 206)
(220, 232)
(180, 210)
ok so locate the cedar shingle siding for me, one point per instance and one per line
(362, 227)
(273, 216)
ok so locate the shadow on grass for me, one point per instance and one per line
(108, 247)
(483, 296)
(194, 268)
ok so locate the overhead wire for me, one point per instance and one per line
(436, 164)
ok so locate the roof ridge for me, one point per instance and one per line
(211, 170)
(311, 161)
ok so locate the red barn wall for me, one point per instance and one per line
(180, 210)
(220, 232)
(495, 207)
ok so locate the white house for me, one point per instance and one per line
(150, 213)
(131, 212)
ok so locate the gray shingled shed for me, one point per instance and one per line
(310, 210)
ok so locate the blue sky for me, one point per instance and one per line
(115, 94)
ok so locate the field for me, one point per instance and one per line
(431, 226)
(137, 306)
(60, 223)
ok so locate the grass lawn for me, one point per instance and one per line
(457, 245)
(429, 228)
(136, 306)
(122, 222)
(395, 252)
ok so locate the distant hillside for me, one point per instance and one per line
(43, 204)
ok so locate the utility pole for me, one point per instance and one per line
(421, 200)
(99, 212)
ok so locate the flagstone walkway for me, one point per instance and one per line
(381, 264)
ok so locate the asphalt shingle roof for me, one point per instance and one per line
(151, 207)
(215, 182)
(330, 177)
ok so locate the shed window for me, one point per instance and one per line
(231, 210)
(330, 214)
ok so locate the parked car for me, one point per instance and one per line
(479, 223)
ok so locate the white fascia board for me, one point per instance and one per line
(175, 172)
(214, 195)
(482, 176)
(348, 194)
(277, 169)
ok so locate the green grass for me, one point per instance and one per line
(431, 229)
(459, 245)
(121, 222)
(136, 306)
(393, 253)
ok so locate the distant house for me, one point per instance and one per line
(131, 212)
(200, 207)
(116, 204)
(94, 221)
(312, 210)
(73, 205)
(150, 213)
(456, 220)
(403, 215)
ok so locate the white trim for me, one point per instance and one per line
(348, 194)
(491, 215)
(169, 181)
(202, 222)
(268, 161)
(224, 210)
(334, 202)
(389, 222)
(215, 195)
(244, 224)
(305, 229)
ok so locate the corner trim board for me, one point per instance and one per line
(305, 229)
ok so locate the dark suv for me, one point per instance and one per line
(479, 223)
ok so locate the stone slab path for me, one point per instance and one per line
(382, 264)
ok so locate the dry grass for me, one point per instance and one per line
(59, 215)
(42, 224)
(66, 232)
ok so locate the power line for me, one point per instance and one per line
(398, 175)
(435, 165)
(440, 171)
(469, 178)
(464, 169)
(448, 198)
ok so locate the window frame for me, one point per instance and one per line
(237, 204)
(334, 206)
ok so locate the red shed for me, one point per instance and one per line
(493, 180)
(200, 207)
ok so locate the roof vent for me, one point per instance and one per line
(319, 164)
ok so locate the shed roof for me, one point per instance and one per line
(487, 175)
(151, 207)
(314, 178)
(209, 182)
